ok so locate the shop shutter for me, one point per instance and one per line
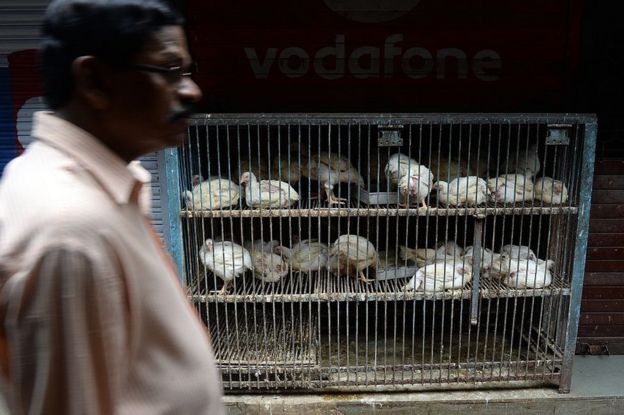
(20, 88)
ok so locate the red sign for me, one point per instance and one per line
(395, 55)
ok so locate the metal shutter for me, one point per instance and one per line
(19, 31)
(20, 22)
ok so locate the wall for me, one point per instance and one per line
(601, 90)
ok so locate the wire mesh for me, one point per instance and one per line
(350, 252)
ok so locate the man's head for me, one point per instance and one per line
(118, 69)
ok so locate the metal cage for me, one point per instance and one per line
(402, 307)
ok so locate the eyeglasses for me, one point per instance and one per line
(172, 74)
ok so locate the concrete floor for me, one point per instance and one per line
(597, 389)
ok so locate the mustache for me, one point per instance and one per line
(188, 109)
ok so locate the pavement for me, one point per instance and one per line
(597, 389)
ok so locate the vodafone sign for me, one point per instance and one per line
(393, 55)
(366, 62)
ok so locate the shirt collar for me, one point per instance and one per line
(123, 182)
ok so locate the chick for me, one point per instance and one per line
(440, 276)
(351, 255)
(226, 260)
(528, 274)
(413, 179)
(487, 256)
(305, 256)
(267, 193)
(511, 188)
(551, 191)
(463, 191)
(421, 257)
(518, 252)
(212, 194)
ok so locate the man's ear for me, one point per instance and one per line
(90, 81)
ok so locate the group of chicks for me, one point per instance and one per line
(269, 185)
(266, 185)
(270, 261)
(415, 181)
(448, 267)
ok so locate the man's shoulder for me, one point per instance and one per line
(59, 189)
(57, 197)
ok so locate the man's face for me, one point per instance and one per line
(149, 110)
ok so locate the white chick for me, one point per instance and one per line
(518, 252)
(487, 256)
(499, 267)
(330, 169)
(551, 191)
(510, 188)
(268, 267)
(440, 277)
(450, 248)
(226, 260)
(528, 163)
(413, 179)
(267, 193)
(529, 274)
(350, 255)
(306, 256)
(212, 194)
(463, 191)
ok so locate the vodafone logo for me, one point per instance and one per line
(371, 11)
(392, 57)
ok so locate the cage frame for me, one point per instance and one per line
(175, 216)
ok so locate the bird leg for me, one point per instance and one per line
(223, 289)
(363, 278)
(333, 200)
(406, 202)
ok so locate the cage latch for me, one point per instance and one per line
(594, 349)
(390, 136)
(557, 134)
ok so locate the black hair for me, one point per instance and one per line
(114, 31)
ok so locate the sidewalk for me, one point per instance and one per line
(597, 389)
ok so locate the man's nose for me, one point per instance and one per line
(189, 90)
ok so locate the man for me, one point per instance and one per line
(93, 319)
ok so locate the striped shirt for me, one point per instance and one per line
(93, 319)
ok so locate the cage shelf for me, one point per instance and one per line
(312, 208)
(326, 287)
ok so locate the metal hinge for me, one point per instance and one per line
(594, 349)
(557, 134)
(390, 136)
